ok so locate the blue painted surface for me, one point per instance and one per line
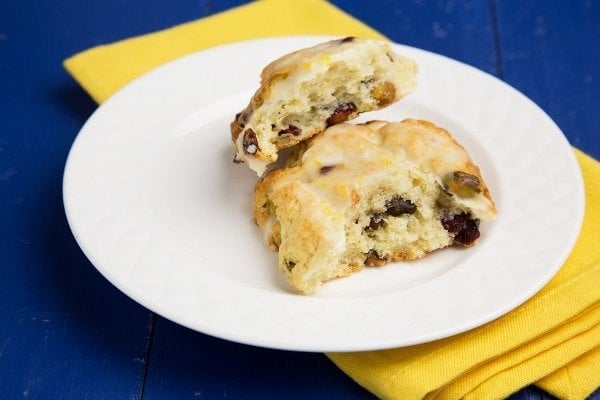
(551, 52)
(458, 29)
(66, 333)
(186, 364)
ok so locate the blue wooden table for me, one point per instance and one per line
(66, 333)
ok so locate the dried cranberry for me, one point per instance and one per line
(468, 235)
(341, 113)
(462, 227)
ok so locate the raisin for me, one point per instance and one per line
(347, 39)
(463, 183)
(454, 223)
(326, 169)
(373, 259)
(463, 228)
(384, 93)
(250, 142)
(341, 113)
(237, 159)
(377, 221)
(290, 130)
(469, 235)
(397, 206)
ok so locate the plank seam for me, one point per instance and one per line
(149, 343)
(496, 38)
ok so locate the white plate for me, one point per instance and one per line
(157, 205)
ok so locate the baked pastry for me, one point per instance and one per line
(306, 91)
(369, 194)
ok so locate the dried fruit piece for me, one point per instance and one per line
(290, 130)
(397, 206)
(250, 142)
(463, 228)
(347, 39)
(341, 113)
(384, 93)
(462, 183)
(377, 221)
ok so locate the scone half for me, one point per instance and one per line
(306, 91)
(369, 194)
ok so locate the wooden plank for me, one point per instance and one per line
(65, 332)
(458, 29)
(528, 393)
(550, 51)
(187, 364)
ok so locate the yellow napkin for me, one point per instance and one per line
(558, 327)
(553, 339)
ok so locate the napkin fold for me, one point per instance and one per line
(554, 334)
(553, 339)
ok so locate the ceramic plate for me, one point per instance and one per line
(157, 205)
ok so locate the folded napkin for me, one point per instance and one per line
(553, 339)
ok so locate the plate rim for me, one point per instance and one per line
(145, 301)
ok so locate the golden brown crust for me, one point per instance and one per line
(263, 208)
(236, 129)
(330, 209)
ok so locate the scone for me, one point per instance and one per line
(306, 91)
(369, 194)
